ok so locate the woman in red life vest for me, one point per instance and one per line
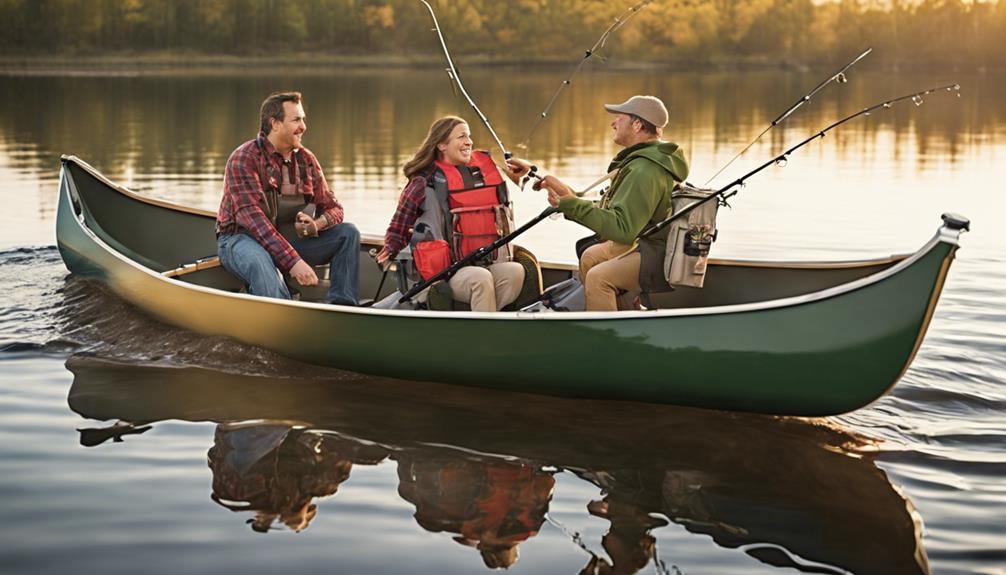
(456, 202)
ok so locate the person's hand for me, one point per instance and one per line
(555, 188)
(304, 274)
(305, 226)
(382, 257)
(517, 168)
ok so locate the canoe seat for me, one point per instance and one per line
(206, 272)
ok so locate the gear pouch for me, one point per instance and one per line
(431, 257)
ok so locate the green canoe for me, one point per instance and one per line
(771, 337)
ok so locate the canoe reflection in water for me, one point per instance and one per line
(481, 466)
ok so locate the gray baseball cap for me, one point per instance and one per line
(649, 108)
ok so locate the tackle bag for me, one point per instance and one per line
(690, 238)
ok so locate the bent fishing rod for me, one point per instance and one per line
(838, 77)
(783, 158)
(456, 78)
(620, 21)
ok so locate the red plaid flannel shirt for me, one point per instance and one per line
(242, 208)
(410, 207)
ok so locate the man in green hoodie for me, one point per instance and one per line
(648, 169)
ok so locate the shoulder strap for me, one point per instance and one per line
(271, 195)
(440, 188)
(454, 179)
(484, 162)
(302, 165)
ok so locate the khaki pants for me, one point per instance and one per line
(488, 289)
(603, 275)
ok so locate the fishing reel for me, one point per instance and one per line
(532, 174)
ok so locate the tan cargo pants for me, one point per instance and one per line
(488, 289)
(603, 274)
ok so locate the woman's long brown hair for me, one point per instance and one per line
(427, 152)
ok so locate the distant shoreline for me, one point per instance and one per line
(158, 63)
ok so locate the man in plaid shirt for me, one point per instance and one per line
(260, 175)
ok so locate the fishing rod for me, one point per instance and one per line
(620, 21)
(838, 77)
(782, 159)
(476, 255)
(456, 78)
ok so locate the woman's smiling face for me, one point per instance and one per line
(457, 148)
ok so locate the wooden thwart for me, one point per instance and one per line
(198, 265)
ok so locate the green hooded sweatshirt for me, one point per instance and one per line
(639, 195)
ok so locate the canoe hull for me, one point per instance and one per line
(820, 354)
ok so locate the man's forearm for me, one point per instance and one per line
(329, 218)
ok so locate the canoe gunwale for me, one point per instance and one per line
(131, 194)
(944, 235)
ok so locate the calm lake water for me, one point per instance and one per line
(128, 444)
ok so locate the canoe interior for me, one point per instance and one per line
(164, 237)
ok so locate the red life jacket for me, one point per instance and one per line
(475, 195)
(475, 213)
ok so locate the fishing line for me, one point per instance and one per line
(620, 21)
(574, 536)
(782, 159)
(452, 73)
(838, 77)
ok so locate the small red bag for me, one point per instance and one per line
(431, 257)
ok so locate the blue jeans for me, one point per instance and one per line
(339, 246)
(247, 260)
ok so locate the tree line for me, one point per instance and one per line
(674, 32)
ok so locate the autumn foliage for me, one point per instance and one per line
(675, 32)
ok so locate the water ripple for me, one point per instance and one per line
(75, 315)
